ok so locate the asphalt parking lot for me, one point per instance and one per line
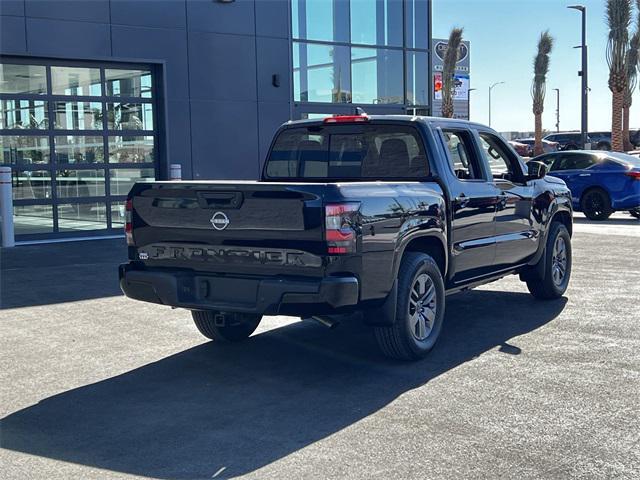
(98, 386)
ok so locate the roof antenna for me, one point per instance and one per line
(360, 111)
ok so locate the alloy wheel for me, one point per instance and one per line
(559, 261)
(422, 307)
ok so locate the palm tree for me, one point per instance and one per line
(631, 67)
(618, 20)
(451, 55)
(538, 86)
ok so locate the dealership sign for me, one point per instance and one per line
(461, 79)
(440, 49)
(460, 87)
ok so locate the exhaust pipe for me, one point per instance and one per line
(326, 321)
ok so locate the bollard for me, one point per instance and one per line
(175, 171)
(6, 208)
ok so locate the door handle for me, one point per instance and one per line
(584, 175)
(462, 200)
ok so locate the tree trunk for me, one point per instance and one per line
(616, 122)
(626, 141)
(537, 149)
(447, 107)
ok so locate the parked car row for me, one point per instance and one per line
(600, 182)
(598, 140)
(525, 146)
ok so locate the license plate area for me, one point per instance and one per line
(238, 291)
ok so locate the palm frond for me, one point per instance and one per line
(540, 70)
(451, 56)
(618, 15)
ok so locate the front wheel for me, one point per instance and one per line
(224, 326)
(596, 204)
(419, 310)
(557, 266)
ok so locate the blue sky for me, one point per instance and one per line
(503, 36)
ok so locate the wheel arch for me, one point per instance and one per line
(431, 244)
(564, 217)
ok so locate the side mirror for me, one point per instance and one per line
(536, 170)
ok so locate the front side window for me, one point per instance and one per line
(348, 152)
(501, 163)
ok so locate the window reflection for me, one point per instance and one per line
(26, 79)
(23, 114)
(130, 116)
(80, 183)
(417, 23)
(321, 73)
(320, 20)
(131, 149)
(79, 149)
(376, 22)
(82, 216)
(76, 81)
(78, 115)
(31, 219)
(377, 76)
(122, 179)
(128, 83)
(417, 78)
(117, 214)
(24, 150)
(31, 184)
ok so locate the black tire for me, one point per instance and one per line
(225, 327)
(596, 205)
(604, 146)
(635, 212)
(571, 146)
(402, 340)
(547, 287)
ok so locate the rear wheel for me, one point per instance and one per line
(224, 326)
(557, 266)
(596, 204)
(419, 310)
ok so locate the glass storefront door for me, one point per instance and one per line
(77, 137)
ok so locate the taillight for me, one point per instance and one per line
(635, 174)
(340, 225)
(347, 119)
(128, 225)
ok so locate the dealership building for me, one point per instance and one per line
(98, 94)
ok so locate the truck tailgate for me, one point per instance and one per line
(229, 226)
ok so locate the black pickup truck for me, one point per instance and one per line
(385, 215)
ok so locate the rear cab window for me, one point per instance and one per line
(348, 152)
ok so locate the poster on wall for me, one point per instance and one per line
(460, 87)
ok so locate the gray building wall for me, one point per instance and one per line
(216, 62)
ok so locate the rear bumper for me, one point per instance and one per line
(262, 295)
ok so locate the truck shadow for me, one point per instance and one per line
(241, 407)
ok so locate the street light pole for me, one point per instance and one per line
(469, 102)
(584, 74)
(557, 90)
(491, 88)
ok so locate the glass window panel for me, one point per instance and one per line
(130, 116)
(376, 22)
(79, 149)
(117, 214)
(321, 73)
(417, 78)
(82, 216)
(320, 20)
(80, 183)
(131, 149)
(23, 114)
(31, 184)
(128, 83)
(376, 76)
(122, 179)
(28, 150)
(29, 219)
(78, 115)
(76, 81)
(417, 23)
(29, 79)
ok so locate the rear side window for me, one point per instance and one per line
(348, 152)
(573, 161)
